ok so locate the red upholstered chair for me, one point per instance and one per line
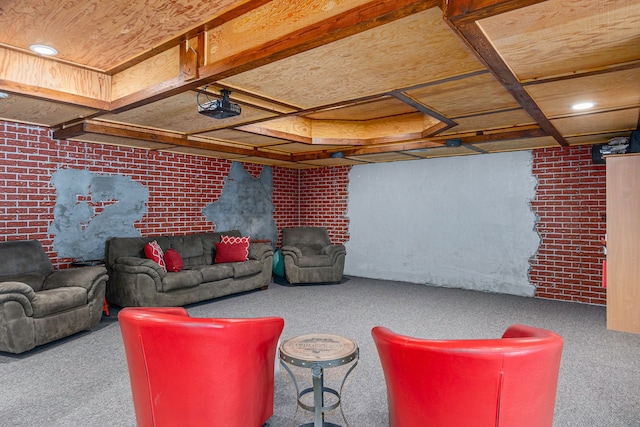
(199, 372)
(508, 382)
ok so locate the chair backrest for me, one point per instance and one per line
(305, 236)
(196, 371)
(24, 261)
(508, 382)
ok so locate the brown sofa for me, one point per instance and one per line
(39, 305)
(135, 281)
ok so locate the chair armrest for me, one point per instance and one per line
(334, 251)
(293, 252)
(259, 251)
(84, 277)
(19, 292)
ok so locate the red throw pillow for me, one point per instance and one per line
(173, 259)
(231, 252)
(153, 251)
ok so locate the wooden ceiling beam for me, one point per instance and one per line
(174, 139)
(47, 78)
(461, 16)
(469, 11)
(239, 10)
(522, 132)
(366, 16)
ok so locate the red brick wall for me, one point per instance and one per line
(180, 186)
(323, 200)
(571, 205)
(570, 200)
(286, 190)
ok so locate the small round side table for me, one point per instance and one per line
(318, 352)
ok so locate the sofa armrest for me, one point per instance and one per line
(334, 251)
(139, 265)
(136, 265)
(259, 251)
(293, 252)
(84, 277)
(19, 292)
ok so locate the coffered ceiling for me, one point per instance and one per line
(325, 82)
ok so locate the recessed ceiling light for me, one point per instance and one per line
(43, 49)
(582, 106)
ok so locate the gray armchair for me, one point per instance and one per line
(39, 305)
(310, 257)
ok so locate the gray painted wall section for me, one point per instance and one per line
(459, 222)
(245, 204)
(90, 208)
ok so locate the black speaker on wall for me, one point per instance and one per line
(596, 155)
(634, 142)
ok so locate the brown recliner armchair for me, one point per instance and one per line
(39, 305)
(310, 257)
(188, 371)
(507, 382)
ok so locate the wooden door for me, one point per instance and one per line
(623, 243)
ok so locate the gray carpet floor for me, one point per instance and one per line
(83, 380)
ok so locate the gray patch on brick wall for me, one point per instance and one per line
(245, 204)
(91, 208)
(463, 222)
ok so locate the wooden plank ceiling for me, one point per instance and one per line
(325, 82)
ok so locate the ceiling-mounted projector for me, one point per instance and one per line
(221, 108)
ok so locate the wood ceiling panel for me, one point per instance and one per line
(40, 112)
(498, 120)
(120, 141)
(609, 91)
(415, 49)
(272, 162)
(179, 113)
(205, 153)
(598, 123)
(444, 152)
(385, 107)
(517, 144)
(558, 37)
(259, 25)
(471, 95)
(382, 157)
(75, 27)
(296, 147)
(244, 137)
(333, 162)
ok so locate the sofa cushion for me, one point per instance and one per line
(248, 268)
(56, 300)
(181, 280)
(231, 252)
(315, 261)
(173, 260)
(308, 250)
(191, 249)
(153, 251)
(215, 272)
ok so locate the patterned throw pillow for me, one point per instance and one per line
(173, 259)
(153, 251)
(233, 239)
